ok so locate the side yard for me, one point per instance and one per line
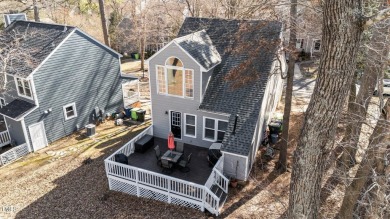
(67, 180)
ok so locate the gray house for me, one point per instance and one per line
(67, 82)
(192, 97)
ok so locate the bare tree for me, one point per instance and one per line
(342, 30)
(104, 23)
(375, 154)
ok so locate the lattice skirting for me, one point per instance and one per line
(181, 202)
(13, 154)
(122, 185)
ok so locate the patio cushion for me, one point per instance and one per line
(144, 144)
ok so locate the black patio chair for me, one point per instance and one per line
(180, 147)
(184, 164)
(158, 155)
(166, 166)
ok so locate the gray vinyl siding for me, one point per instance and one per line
(15, 130)
(205, 79)
(11, 93)
(165, 103)
(235, 166)
(81, 72)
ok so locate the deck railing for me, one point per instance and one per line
(148, 184)
(14, 154)
(4, 138)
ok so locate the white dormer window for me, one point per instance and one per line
(174, 80)
(23, 87)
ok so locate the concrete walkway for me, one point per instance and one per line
(302, 89)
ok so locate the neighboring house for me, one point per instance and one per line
(192, 98)
(309, 44)
(72, 80)
(9, 18)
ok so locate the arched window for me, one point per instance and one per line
(173, 61)
(173, 79)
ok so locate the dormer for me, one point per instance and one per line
(182, 68)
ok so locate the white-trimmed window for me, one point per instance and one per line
(189, 83)
(299, 43)
(190, 125)
(70, 111)
(23, 87)
(2, 102)
(161, 83)
(174, 80)
(317, 45)
(214, 129)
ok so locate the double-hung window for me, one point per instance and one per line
(299, 43)
(2, 102)
(24, 88)
(161, 83)
(190, 125)
(174, 80)
(317, 45)
(214, 129)
(70, 111)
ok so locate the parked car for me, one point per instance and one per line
(386, 87)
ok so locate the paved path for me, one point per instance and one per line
(302, 89)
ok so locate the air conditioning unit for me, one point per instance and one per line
(91, 130)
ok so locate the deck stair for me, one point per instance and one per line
(220, 194)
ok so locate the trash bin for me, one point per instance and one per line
(274, 128)
(141, 115)
(136, 56)
(274, 138)
(128, 112)
(134, 115)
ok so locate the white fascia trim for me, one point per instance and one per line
(22, 116)
(52, 52)
(93, 39)
(238, 155)
(201, 67)
(26, 136)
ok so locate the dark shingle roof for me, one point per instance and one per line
(16, 109)
(37, 40)
(227, 36)
(200, 47)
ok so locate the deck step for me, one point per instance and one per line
(219, 193)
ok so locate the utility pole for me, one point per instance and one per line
(104, 23)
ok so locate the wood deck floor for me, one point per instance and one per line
(199, 168)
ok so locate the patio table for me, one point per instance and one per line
(172, 156)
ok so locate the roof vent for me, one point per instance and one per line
(235, 125)
(65, 29)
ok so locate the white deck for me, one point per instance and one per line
(148, 184)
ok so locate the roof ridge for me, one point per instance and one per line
(194, 33)
(36, 22)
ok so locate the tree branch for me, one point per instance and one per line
(380, 16)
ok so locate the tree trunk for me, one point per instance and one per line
(282, 163)
(36, 11)
(104, 23)
(358, 110)
(353, 191)
(342, 30)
